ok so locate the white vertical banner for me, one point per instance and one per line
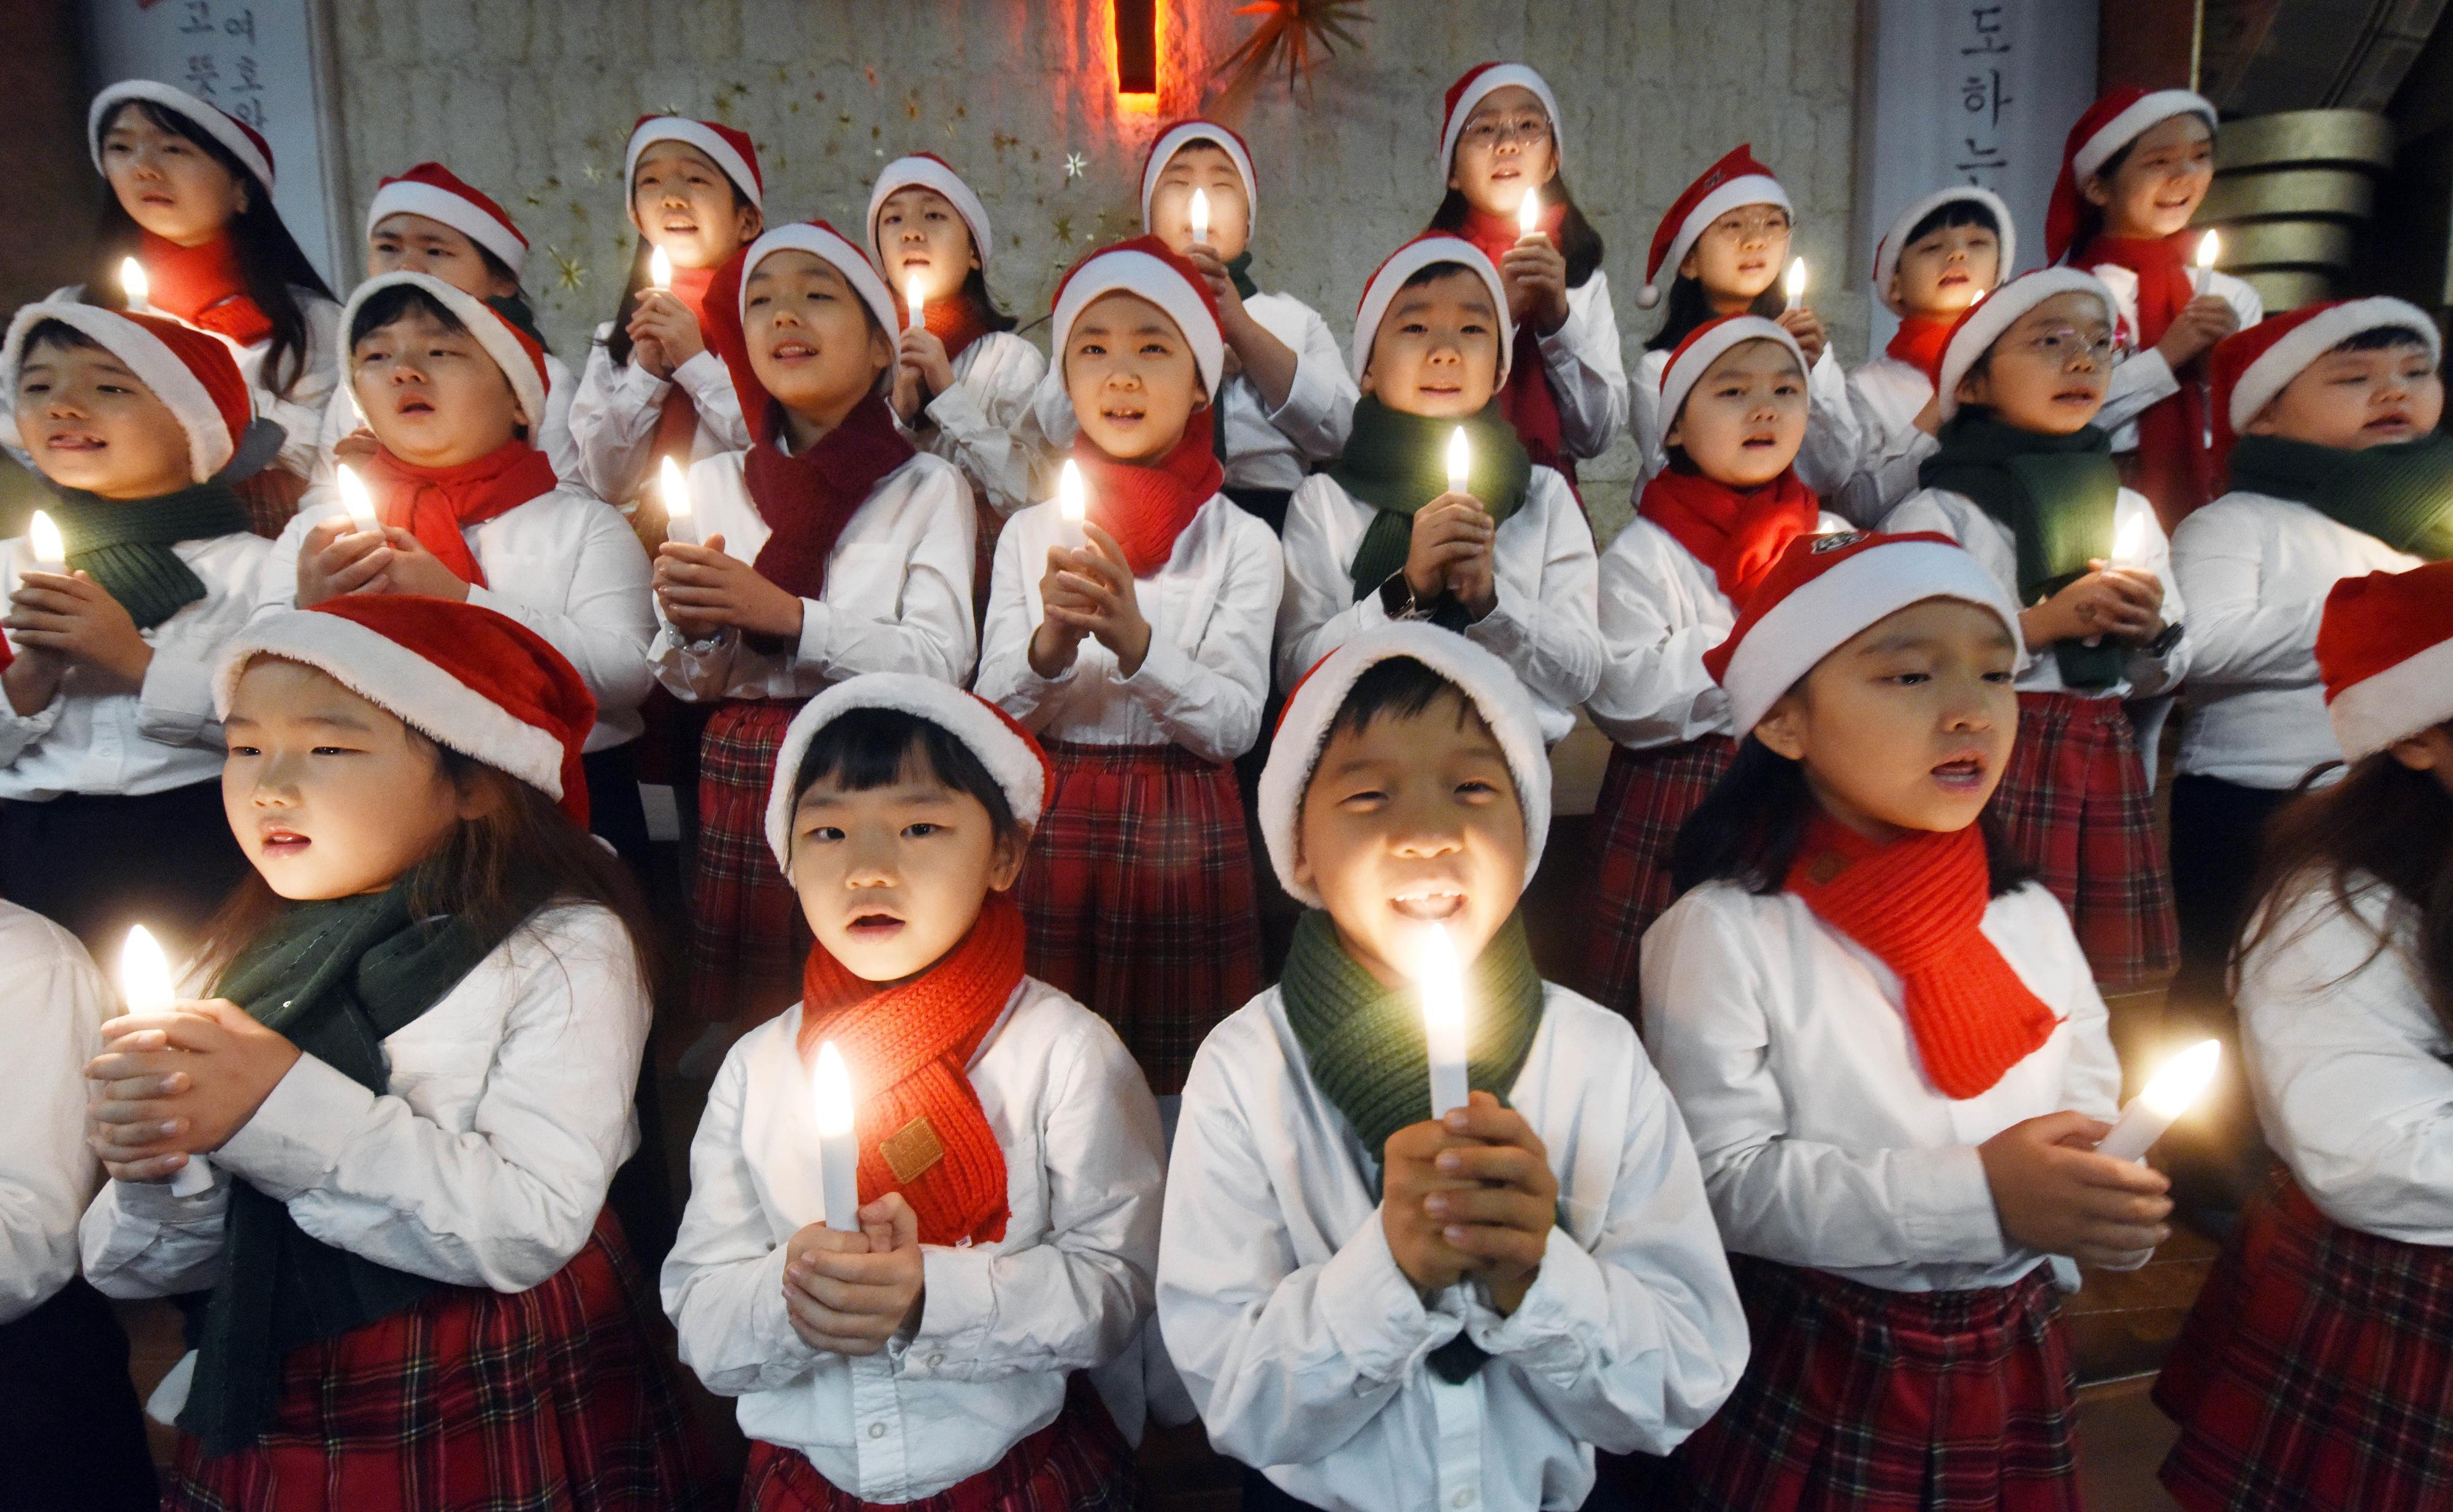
(1968, 91)
(256, 59)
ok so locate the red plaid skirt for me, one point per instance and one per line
(748, 939)
(2074, 804)
(2315, 1372)
(1077, 1463)
(1918, 1402)
(540, 1401)
(1645, 796)
(1138, 894)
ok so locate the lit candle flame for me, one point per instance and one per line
(2210, 247)
(1072, 499)
(1200, 216)
(1441, 980)
(132, 282)
(831, 1105)
(912, 302)
(2183, 1079)
(145, 974)
(44, 537)
(675, 489)
(660, 269)
(2130, 538)
(354, 496)
(1460, 460)
(1796, 282)
(1529, 212)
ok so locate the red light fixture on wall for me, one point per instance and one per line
(1137, 51)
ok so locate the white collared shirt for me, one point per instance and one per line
(52, 1015)
(1210, 610)
(1304, 1346)
(1003, 1323)
(2143, 379)
(614, 413)
(1587, 371)
(341, 419)
(1824, 1142)
(972, 424)
(1824, 461)
(1543, 566)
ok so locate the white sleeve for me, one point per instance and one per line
(300, 411)
(174, 702)
(1643, 415)
(930, 630)
(613, 414)
(2242, 629)
(1586, 371)
(1553, 643)
(708, 382)
(140, 1239)
(554, 437)
(1209, 699)
(976, 419)
(608, 613)
(1005, 677)
(1319, 411)
(1653, 690)
(1833, 440)
(57, 1003)
(2154, 676)
(1888, 458)
(2140, 382)
(1318, 611)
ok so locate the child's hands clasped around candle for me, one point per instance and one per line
(851, 1293)
(1803, 323)
(1503, 1216)
(1090, 592)
(2053, 1192)
(74, 618)
(341, 556)
(173, 1085)
(2123, 603)
(702, 591)
(1450, 553)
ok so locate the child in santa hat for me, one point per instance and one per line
(2313, 1373)
(109, 748)
(2024, 481)
(831, 548)
(1135, 643)
(657, 382)
(1706, 532)
(2136, 167)
(467, 507)
(1385, 1301)
(408, 1049)
(1009, 1157)
(1499, 552)
(1891, 1052)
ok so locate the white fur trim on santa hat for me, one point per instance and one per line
(2148, 112)
(1998, 310)
(920, 171)
(2262, 380)
(681, 129)
(1487, 82)
(1134, 272)
(1751, 188)
(210, 444)
(1497, 695)
(384, 672)
(1183, 135)
(1017, 768)
(214, 123)
(2412, 695)
(410, 197)
(1687, 367)
(492, 331)
(831, 248)
(1421, 252)
(1886, 251)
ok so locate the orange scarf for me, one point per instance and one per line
(1739, 534)
(1147, 506)
(1920, 342)
(436, 503)
(908, 1048)
(202, 286)
(2176, 471)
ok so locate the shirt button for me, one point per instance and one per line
(877, 1430)
(935, 1361)
(1463, 1499)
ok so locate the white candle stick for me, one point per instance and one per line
(2210, 247)
(914, 316)
(1528, 214)
(1441, 980)
(1199, 214)
(355, 497)
(1460, 460)
(2129, 537)
(660, 269)
(1796, 282)
(145, 984)
(1073, 502)
(132, 282)
(2168, 1095)
(673, 486)
(831, 1109)
(43, 539)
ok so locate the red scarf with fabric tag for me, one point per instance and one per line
(908, 1048)
(2176, 471)
(436, 503)
(202, 286)
(1918, 904)
(1738, 533)
(808, 499)
(1527, 400)
(1147, 506)
(1920, 343)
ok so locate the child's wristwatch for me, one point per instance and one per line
(2165, 640)
(1397, 598)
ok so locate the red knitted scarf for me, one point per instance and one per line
(713, 296)
(202, 286)
(436, 503)
(1146, 508)
(1527, 399)
(1920, 343)
(2176, 471)
(1738, 533)
(806, 500)
(957, 322)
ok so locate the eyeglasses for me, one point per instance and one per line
(1752, 223)
(2059, 344)
(1530, 130)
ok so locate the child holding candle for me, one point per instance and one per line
(2025, 482)
(1374, 1307)
(1706, 532)
(2310, 1374)
(1136, 645)
(1008, 1152)
(1891, 1053)
(109, 745)
(412, 1069)
(1502, 554)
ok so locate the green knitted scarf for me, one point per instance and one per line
(126, 542)
(2402, 493)
(1397, 463)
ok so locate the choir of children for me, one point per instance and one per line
(1878, 825)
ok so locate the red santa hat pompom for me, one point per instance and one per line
(1704, 345)
(2109, 125)
(515, 349)
(1426, 250)
(466, 678)
(930, 171)
(243, 141)
(1895, 241)
(1185, 133)
(1735, 180)
(2248, 369)
(728, 150)
(1982, 324)
(436, 192)
(189, 370)
(1017, 760)
(1145, 267)
(2385, 648)
(1478, 84)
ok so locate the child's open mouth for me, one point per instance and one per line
(1953, 278)
(1961, 773)
(680, 225)
(1760, 443)
(1124, 419)
(2395, 422)
(74, 441)
(414, 404)
(2077, 396)
(874, 926)
(1434, 904)
(792, 351)
(285, 843)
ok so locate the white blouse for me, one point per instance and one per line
(552, 437)
(2145, 379)
(1825, 459)
(614, 412)
(52, 1012)
(1542, 625)
(1888, 395)
(897, 596)
(1824, 1143)
(1003, 1323)
(970, 424)
(1210, 610)
(1587, 371)
(1304, 1346)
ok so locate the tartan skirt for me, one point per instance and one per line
(1645, 796)
(2315, 1372)
(1077, 1463)
(1139, 894)
(2074, 804)
(1918, 1402)
(472, 1400)
(748, 939)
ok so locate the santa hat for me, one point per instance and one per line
(243, 141)
(1183, 134)
(1824, 591)
(436, 192)
(1735, 180)
(1982, 324)
(1020, 767)
(1895, 241)
(1145, 267)
(467, 678)
(929, 172)
(2109, 125)
(2385, 648)
(732, 150)
(1423, 251)
(1477, 83)
(189, 370)
(2248, 369)
(515, 351)
(831, 248)
(1704, 347)
(1489, 684)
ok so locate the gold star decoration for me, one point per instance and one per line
(569, 273)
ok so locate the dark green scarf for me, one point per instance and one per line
(335, 978)
(1238, 271)
(2058, 494)
(2402, 493)
(126, 544)
(1397, 463)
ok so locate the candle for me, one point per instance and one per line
(144, 983)
(2129, 536)
(1796, 282)
(1442, 984)
(831, 1109)
(132, 282)
(2167, 1096)
(1200, 216)
(1529, 212)
(674, 487)
(660, 269)
(43, 538)
(1460, 460)
(1072, 500)
(912, 314)
(2210, 247)
(354, 496)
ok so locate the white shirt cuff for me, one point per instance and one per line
(1372, 1311)
(295, 1140)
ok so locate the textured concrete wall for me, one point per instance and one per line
(533, 103)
